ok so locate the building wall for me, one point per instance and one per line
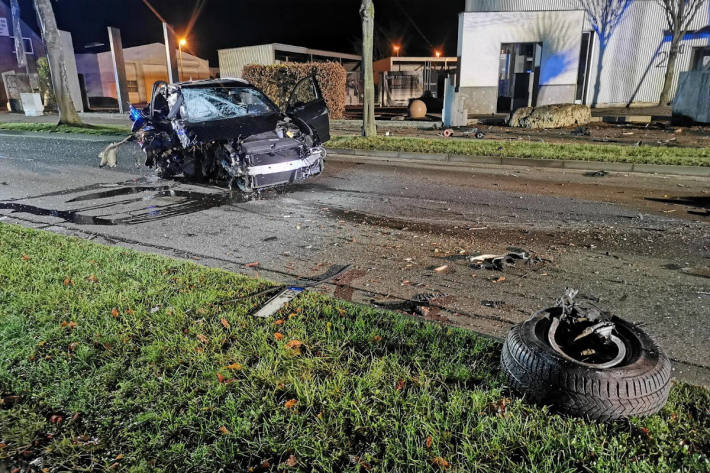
(232, 61)
(144, 66)
(8, 60)
(633, 65)
(88, 65)
(480, 38)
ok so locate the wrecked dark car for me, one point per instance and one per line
(229, 131)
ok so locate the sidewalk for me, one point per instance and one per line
(89, 118)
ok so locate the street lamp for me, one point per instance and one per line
(396, 49)
(437, 53)
(181, 43)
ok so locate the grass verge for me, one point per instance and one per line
(522, 149)
(116, 360)
(53, 128)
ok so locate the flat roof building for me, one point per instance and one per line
(145, 65)
(233, 60)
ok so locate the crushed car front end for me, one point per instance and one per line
(228, 130)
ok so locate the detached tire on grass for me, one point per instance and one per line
(637, 386)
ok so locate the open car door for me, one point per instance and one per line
(307, 103)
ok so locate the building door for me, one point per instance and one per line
(585, 55)
(518, 75)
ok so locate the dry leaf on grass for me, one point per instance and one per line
(234, 367)
(441, 463)
(279, 336)
(224, 323)
(291, 403)
(224, 430)
(429, 441)
(293, 344)
(292, 461)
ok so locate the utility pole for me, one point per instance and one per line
(367, 13)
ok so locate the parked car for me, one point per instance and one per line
(230, 131)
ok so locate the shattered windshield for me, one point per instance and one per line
(218, 102)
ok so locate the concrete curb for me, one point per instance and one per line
(462, 160)
(422, 125)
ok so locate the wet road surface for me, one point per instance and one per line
(637, 244)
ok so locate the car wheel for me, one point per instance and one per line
(634, 381)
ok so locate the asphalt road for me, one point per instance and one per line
(638, 244)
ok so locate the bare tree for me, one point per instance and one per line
(55, 56)
(367, 13)
(605, 16)
(679, 15)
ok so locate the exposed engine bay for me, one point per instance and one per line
(229, 131)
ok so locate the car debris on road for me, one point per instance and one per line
(287, 293)
(500, 262)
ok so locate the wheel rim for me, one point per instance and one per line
(577, 355)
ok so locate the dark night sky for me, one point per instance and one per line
(323, 24)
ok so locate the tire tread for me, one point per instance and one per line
(577, 390)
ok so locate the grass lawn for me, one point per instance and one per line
(522, 149)
(53, 128)
(467, 147)
(117, 360)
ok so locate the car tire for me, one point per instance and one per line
(639, 386)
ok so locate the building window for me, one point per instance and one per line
(28, 45)
(132, 86)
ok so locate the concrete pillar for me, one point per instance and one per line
(170, 48)
(119, 69)
(70, 68)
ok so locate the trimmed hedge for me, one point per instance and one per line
(278, 80)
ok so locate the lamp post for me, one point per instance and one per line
(181, 43)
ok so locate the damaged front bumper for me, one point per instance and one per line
(276, 171)
(311, 165)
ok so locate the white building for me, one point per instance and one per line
(535, 52)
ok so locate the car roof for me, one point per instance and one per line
(223, 82)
